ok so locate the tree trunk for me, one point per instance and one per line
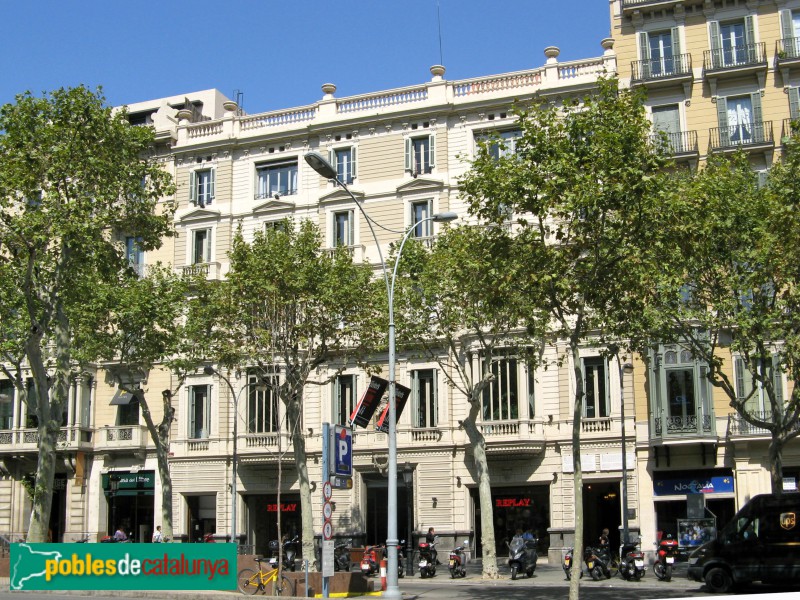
(577, 554)
(776, 463)
(478, 445)
(293, 410)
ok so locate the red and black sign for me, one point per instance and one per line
(369, 402)
(288, 507)
(401, 394)
(512, 502)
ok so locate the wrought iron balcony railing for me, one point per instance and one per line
(790, 128)
(734, 57)
(683, 426)
(661, 68)
(787, 49)
(744, 135)
(678, 143)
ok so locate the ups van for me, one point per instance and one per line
(761, 543)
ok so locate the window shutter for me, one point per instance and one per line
(434, 420)
(192, 187)
(432, 150)
(211, 184)
(677, 59)
(787, 27)
(739, 377)
(749, 30)
(716, 43)
(722, 119)
(353, 162)
(777, 375)
(409, 162)
(350, 237)
(332, 159)
(794, 103)
(644, 45)
(758, 120)
(192, 414)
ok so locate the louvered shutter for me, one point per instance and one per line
(757, 118)
(350, 228)
(211, 175)
(715, 43)
(750, 38)
(193, 187)
(722, 119)
(432, 150)
(332, 159)
(677, 59)
(777, 379)
(739, 377)
(794, 103)
(353, 161)
(787, 27)
(644, 54)
(409, 158)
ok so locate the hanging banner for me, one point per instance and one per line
(369, 402)
(401, 394)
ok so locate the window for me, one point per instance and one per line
(6, 404)
(794, 103)
(789, 44)
(262, 406)
(343, 393)
(749, 388)
(595, 381)
(740, 120)
(420, 211)
(201, 246)
(660, 53)
(128, 414)
(276, 179)
(135, 254)
(501, 143)
(199, 412)
(424, 397)
(501, 396)
(279, 225)
(343, 228)
(667, 119)
(681, 393)
(732, 43)
(201, 187)
(344, 160)
(420, 154)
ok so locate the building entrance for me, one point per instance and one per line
(377, 513)
(130, 505)
(263, 513)
(526, 508)
(601, 510)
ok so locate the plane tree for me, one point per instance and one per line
(74, 177)
(584, 179)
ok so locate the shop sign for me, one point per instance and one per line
(369, 402)
(699, 485)
(401, 394)
(512, 502)
(288, 507)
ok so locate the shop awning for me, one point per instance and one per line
(121, 398)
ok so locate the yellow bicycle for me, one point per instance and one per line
(252, 582)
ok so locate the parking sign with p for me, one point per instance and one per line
(342, 455)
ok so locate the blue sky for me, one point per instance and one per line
(279, 52)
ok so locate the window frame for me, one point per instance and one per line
(422, 230)
(340, 383)
(258, 421)
(277, 167)
(135, 254)
(192, 258)
(347, 174)
(207, 196)
(590, 365)
(425, 406)
(349, 232)
(204, 431)
(492, 400)
(426, 163)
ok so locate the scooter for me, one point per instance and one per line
(631, 565)
(598, 561)
(370, 562)
(521, 556)
(341, 557)
(456, 563)
(427, 559)
(567, 564)
(667, 552)
(288, 555)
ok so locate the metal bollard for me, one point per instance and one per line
(384, 564)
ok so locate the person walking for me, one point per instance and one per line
(158, 537)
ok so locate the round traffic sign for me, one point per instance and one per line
(327, 530)
(327, 490)
(327, 511)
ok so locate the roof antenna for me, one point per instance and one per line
(439, 19)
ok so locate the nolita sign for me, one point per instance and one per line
(123, 567)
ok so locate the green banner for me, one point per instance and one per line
(123, 567)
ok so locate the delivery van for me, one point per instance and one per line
(761, 543)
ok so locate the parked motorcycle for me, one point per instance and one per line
(456, 563)
(631, 565)
(567, 565)
(427, 559)
(667, 553)
(370, 562)
(341, 557)
(287, 555)
(522, 556)
(110, 539)
(83, 540)
(598, 562)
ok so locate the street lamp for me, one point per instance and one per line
(408, 479)
(113, 484)
(209, 370)
(317, 162)
(623, 369)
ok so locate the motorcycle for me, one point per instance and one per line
(456, 563)
(401, 571)
(110, 539)
(287, 555)
(567, 564)
(370, 562)
(598, 562)
(667, 552)
(522, 556)
(631, 565)
(341, 557)
(427, 559)
(83, 540)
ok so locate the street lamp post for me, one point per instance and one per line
(408, 479)
(113, 484)
(209, 370)
(623, 369)
(317, 162)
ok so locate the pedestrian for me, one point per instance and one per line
(158, 538)
(430, 537)
(119, 535)
(604, 538)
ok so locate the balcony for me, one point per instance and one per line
(121, 437)
(790, 128)
(27, 440)
(661, 72)
(735, 61)
(682, 428)
(356, 252)
(521, 436)
(681, 144)
(630, 6)
(265, 446)
(787, 52)
(749, 136)
(739, 427)
(209, 270)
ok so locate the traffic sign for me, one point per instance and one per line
(342, 483)
(327, 530)
(326, 490)
(327, 511)
(342, 455)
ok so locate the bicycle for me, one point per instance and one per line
(252, 582)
